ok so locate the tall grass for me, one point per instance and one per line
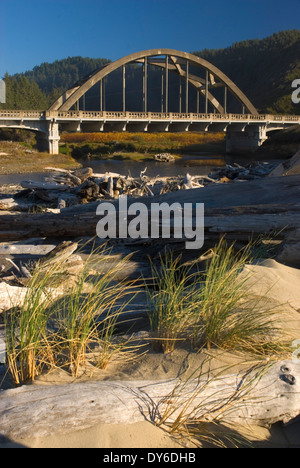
(213, 308)
(218, 299)
(137, 145)
(170, 303)
(59, 327)
(173, 139)
(227, 315)
(87, 318)
(27, 343)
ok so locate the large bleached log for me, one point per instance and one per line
(289, 167)
(43, 185)
(36, 411)
(63, 225)
(14, 204)
(259, 206)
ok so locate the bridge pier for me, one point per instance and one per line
(247, 139)
(48, 140)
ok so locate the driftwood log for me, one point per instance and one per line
(34, 246)
(11, 296)
(36, 410)
(66, 266)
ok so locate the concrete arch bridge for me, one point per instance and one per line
(203, 97)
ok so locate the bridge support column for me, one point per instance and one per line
(249, 140)
(48, 140)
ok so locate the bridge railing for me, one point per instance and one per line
(19, 114)
(132, 115)
(149, 116)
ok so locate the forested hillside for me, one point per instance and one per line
(263, 69)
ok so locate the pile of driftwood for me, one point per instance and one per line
(252, 170)
(242, 211)
(15, 275)
(64, 188)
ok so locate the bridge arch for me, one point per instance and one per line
(176, 62)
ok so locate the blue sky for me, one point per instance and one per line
(36, 31)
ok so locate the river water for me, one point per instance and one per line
(193, 164)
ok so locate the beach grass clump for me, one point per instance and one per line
(170, 303)
(69, 325)
(87, 316)
(28, 345)
(213, 308)
(218, 298)
(227, 315)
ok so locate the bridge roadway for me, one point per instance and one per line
(243, 131)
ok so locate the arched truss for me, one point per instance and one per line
(170, 61)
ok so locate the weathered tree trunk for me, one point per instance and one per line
(35, 410)
(259, 206)
(63, 225)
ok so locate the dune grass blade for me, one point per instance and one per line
(214, 307)
(226, 314)
(170, 303)
(28, 348)
(219, 294)
(88, 313)
(58, 326)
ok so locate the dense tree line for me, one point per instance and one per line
(263, 69)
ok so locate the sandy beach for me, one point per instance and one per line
(278, 283)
